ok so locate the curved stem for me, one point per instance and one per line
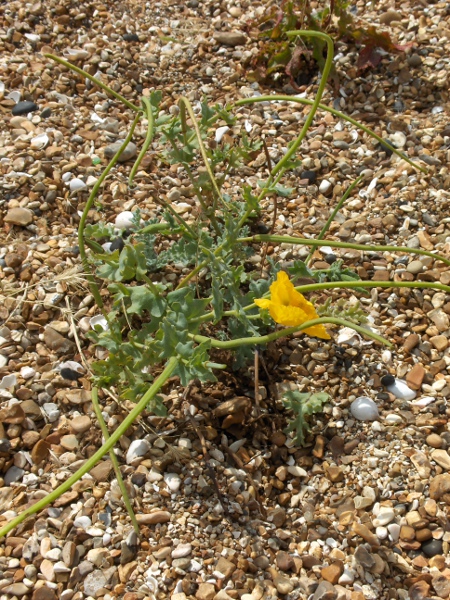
(115, 462)
(270, 337)
(83, 73)
(170, 367)
(336, 113)
(148, 138)
(314, 287)
(287, 239)
(314, 103)
(81, 243)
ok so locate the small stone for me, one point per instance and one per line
(159, 516)
(366, 534)
(65, 498)
(415, 267)
(442, 458)
(325, 186)
(283, 584)
(411, 341)
(415, 60)
(230, 38)
(297, 471)
(80, 424)
(335, 474)
(206, 591)
(364, 409)
(415, 377)
(51, 411)
(347, 577)
(137, 450)
(419, 590)
(130, 37)
(19, 216)
(440, 342)
(129, 152)
(69, 554)
(57, 342)
(432, 547)
(277, 516)
(12, 414)
(440, 319)
(437, 562)
(13, 474)
(24, 107)
(319, 446)
(401, 390)
(181, 551)
(225, 567)
(332, 572)
(422, 464)
(284, 561)
(44, 593)
(69, 442)
(310, 176)
(434, 440)
(385, 516)
(102, 470)
(93, 582)
(47, 570)
(16, 589)
(325, 591)
(364, 557)
(440, 488)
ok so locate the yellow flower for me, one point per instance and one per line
(288, 307)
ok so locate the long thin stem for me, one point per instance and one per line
(148, 138)
(287, 239)
(270, 337)
(83, 73)
(81, 243)
(170, 367)
(336, 113)
(115, 462)
(330, 219)
(314, 103)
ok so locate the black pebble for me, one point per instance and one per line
(130, 37)
(23, 108)
(311, 176)
(387, 380)
(117, 244)
(46, 113)
(330, 258)
(262, 228)
(5, 445)
(432, 548)
(386, 147)
(70, 374)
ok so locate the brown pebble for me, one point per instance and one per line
(40, 452)
(419, 590)
(434, 440)
(437, 561)
(335, 474)
(440, 488)
(366, 534)
(422, 535)
(159, 516)
(80, 424)
(284, 561)
(407, 533)
(332, 572)
(319, 446)
(13, 415)
(411, 342)
(415, 377)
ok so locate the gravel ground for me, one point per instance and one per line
(361, 512)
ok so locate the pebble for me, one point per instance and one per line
(325, 591)
(173, 482)
(160, 516)
(364, 409)
(93, 582)
(24, 107)
(137, 450)
(325, 186)
(442, 458)
(401, 390)
(182, 550)
(440, 488)
(432, 547)
(124, 220)
(283, 584)
(230, 38)
(13, 474)
(19, 216)
(51, 411)
(80, 424)
(434, 440)
(415, 267)
(129, 152)
(384, 517)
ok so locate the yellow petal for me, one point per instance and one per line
(263, 302)
(317, 331)
(280, 290)
(287, 315)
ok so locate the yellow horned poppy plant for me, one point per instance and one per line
(288, 307)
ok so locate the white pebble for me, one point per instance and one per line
(83, 522)
(393, 419)
(99, 320)
(8, 381)
(394, 531)
(124, 220)
(27, 372)
(384, 517)
(401, 390)
(348, 576)
(364, 409)
(137, 449)
(220, 132)
(173, 482)
(76, 185)
(297, 471)
(381, 533)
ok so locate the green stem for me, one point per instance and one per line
(316, 102)
(170, 367)
(287, 239)
(69, 65)
(155, 228)
(148, 138)
(270, 337)
(81, 244)
(336, 113)
(339, 205)
(186, 105)
(115, 462)
(327, 285)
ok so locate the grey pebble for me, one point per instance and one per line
(129, 152)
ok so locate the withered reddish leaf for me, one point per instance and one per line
(368, 57)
